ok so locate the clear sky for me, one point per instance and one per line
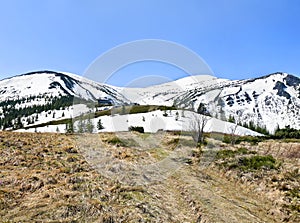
(237, 38)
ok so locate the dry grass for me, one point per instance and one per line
(43, 177)
(48, 178)
(281, 185)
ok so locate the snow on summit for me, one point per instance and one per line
(269, 101)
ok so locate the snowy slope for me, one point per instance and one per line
(43, 96)
(153, 122)
(271, 101)
(165, 94)
(55, 84)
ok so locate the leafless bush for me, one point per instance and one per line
(197, 126)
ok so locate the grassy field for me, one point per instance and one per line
(60, 178)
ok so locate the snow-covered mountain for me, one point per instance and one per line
(50, 83)
(167, 93)
(43, 96)
(270, 101)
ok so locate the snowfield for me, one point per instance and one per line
(153, 122)
(271, 101)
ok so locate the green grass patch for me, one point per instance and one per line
(227, 153)
(246, 160)
(290, 140)
(55, 122)
(294, 207)
(133, 109)
(217, 136)
(121, 142)
(256, 162)
(295, 193)
(253, 140)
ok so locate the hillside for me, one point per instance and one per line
(269, 101)
(50, 83)
(94, 177)
(41, 97)
(151, 121)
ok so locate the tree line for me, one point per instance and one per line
(287, 133)
(13, 117)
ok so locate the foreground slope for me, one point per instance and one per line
(50, 178)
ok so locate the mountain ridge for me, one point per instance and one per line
(79, 76)
(259, 100)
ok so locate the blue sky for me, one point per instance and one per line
(237, 38)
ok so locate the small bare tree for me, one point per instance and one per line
(232, 129)
(197, 125)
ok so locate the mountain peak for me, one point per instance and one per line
(269, 101)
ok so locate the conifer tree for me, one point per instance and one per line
(100, 125)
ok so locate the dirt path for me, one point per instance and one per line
(194, 194)
(207, 197)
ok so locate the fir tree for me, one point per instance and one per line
(177, 116)
(100, 125)
(70, 126)
(231, 119)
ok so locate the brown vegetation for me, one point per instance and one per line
(50, 178)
